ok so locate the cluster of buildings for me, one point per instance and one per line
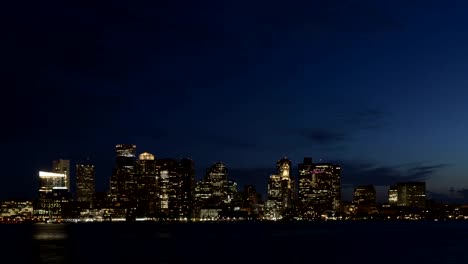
(144, 187)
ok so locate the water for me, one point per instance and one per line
(330, 242)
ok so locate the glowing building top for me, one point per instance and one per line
(146, 156)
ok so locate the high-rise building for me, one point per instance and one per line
(176, 185)
(217, 176)
(274, 204)
(283, 170)
(412, 194)
(364, 195)
(167, 187)
(49, 181)
(203, 194)
(319, 188)
(393, 195)
(85, 182)
(123, 183)
(147, 175)
(63, 167)
(53, 195)
(185, 185)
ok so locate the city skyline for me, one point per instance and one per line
(143, 187)
(376, 86)
(260, 181)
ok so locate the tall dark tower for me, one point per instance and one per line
(185, 185)
(147, 175)
(85, 181)
(305, 186)
(123, 182)
(217, 177)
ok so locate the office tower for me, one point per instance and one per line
(306, 192)
(123, 183)
(393, 195)
(63, 167)
(184, 187)
(147, 175)
(175, 188)
(319, 188)
(85, 181)
(364, 195)
(202, 196)
(217, 176)
(53, 195)
(274, 204)
(49, 181)
(168, 191)
(412, 194)
(283, 170)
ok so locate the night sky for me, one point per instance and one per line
(378, 86)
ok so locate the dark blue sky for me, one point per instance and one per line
(378, 86)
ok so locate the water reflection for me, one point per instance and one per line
(50, 243)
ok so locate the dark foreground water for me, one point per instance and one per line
(329, 242)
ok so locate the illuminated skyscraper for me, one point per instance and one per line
(85, 182)
(63, 167)
(49, 181)
(393, 195)
(319, 188)
(412, 194)
(217, 177)
(283, 171)
(175, 187)
(147, 175)
(364, 195)
(306, 192)
(184, 186)
(53, 195)
(123, 183)
(274, 204)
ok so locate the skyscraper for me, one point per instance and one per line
(393, 195)
(85, 181)
(217, 177)
(283, 170)
(147, 175)
(49, 181)
(123, 183)
(53, 194)
(364, 195)
(306, 192)
(319, 188)
(274, 204)
(412, 194)
(63, 167)
(185, 185)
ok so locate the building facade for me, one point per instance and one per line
(412, 194)
(364, 195)
(85, 182)
(62, 166)
(319, 188)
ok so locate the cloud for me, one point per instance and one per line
(360, 173)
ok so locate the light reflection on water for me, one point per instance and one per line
(50, 232)
(156, 243)
(50, 241)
